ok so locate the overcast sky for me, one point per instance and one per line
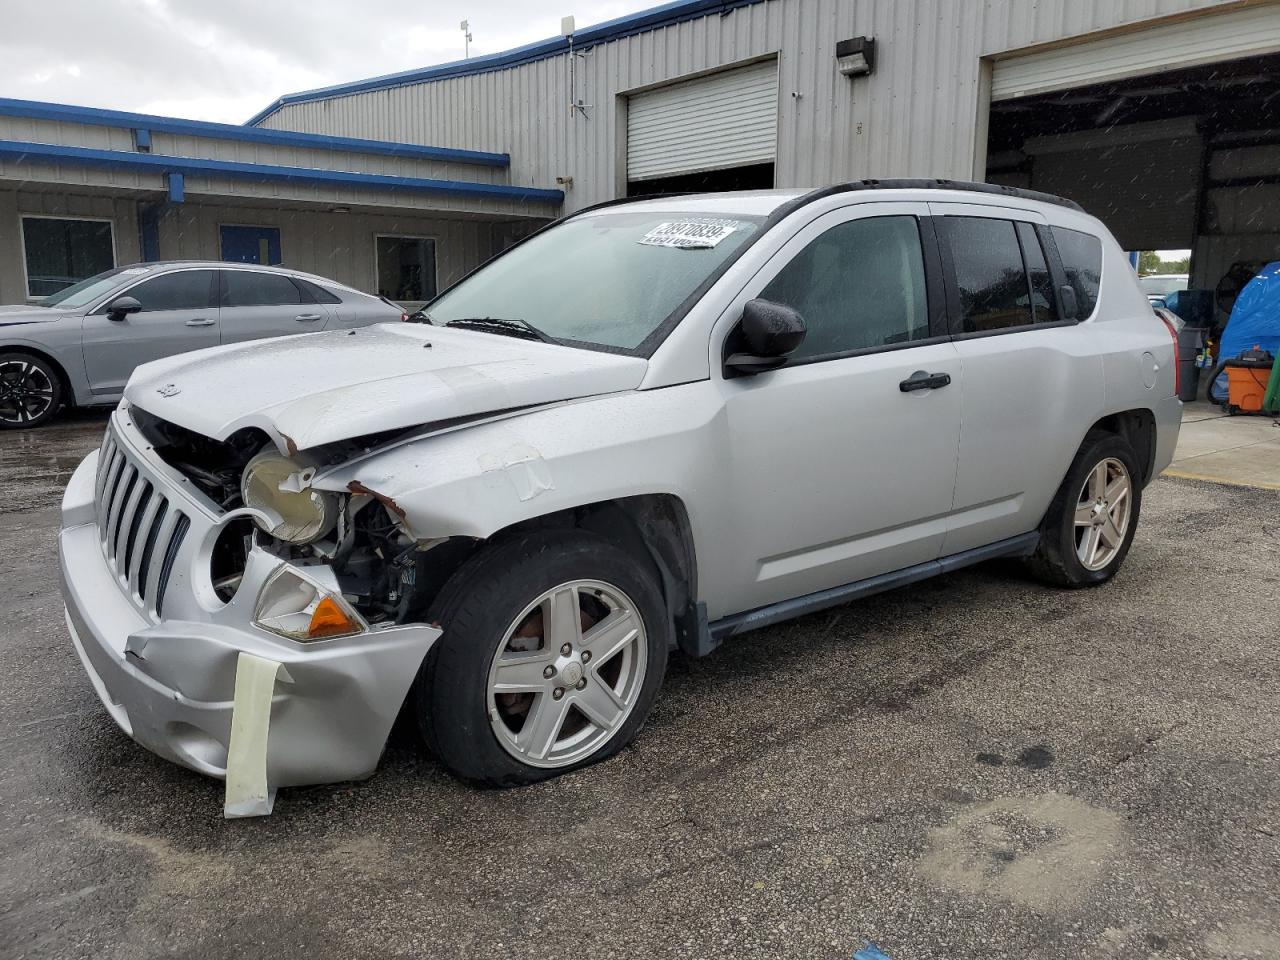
(227, 59)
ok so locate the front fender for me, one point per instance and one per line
(480, 479)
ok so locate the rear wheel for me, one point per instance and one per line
(1090, 525)
(554, 649)
(30, 391)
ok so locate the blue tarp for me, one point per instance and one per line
(1254, 321)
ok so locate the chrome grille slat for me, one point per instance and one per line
(113, 475)
(156, 561)
(105, 458)
(116, 508)
(140, 486)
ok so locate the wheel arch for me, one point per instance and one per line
(1138, 428)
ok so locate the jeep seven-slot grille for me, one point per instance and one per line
(140, 529)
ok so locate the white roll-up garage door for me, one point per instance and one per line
(1247, 32)
(728, 119)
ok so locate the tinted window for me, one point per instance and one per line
(988, 272)
(1082, 261)
(860, 284)
(247, 288)
(186, 290)
(317, 293)
(1043, 309)
(60, 253)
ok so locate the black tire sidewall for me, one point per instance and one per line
(478, 606)
(54, 379)
(1062, 517)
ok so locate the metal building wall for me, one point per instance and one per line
(917, 115)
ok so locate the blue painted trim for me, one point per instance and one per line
(142, 139)
(642, 22)
(34, 110)
(177, 188)
(20, 151)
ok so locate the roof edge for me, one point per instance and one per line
(21, 151)
(95, 116)
(654, 18)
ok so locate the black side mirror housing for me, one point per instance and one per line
(765, 335)
(121, 307)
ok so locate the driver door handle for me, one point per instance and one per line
(923, 380)
(307, 317)
(200, 323)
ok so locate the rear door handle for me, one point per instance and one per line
(200, 323)
(923, 380)
(307, 317)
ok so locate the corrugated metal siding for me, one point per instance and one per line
(728, 119)
(1186, 43)
(915, 116)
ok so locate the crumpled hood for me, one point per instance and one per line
(318, 388)
(21, 313)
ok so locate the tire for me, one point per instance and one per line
(30, 391)
(1064, 534)
(494, 634)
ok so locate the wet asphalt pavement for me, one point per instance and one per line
(974, 767)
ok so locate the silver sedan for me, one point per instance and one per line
(79, 346)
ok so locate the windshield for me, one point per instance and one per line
(86, 291)
(1158, 286)
(608, 279)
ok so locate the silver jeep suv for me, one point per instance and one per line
(651, 426)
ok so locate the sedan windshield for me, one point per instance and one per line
(86, 291)
(608, 279)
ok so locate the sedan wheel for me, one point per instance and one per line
(29, 391)
(567, 674)
(1102, 513)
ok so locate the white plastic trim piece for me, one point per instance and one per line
(248, 794)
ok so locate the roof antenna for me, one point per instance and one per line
(575, 102)
(465, 26)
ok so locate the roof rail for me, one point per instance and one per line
(933, 183)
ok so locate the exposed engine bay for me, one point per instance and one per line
(384, 573)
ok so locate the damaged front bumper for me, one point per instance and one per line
(204, 686)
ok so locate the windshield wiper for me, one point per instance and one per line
(501, 325)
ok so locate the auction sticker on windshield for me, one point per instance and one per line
(702, 233)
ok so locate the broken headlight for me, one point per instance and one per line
(280, 488)
(294, 606)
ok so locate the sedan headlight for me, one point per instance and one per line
(277, 486)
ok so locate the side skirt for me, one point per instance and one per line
(712, 635)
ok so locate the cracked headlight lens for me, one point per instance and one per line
(278, 486)
(293, 606)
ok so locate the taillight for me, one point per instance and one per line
(1177, 366)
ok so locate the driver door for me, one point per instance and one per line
(842, 471)
(178, 314)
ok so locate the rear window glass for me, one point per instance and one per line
(248, 288)
(317, 293)
(1082, 261)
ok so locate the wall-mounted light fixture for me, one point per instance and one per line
(856, 57)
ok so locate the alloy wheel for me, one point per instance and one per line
(1102, 513)
(567, 674)
(26, 391)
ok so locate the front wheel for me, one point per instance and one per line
(554, 649)
(1090, 525)
(30, 391)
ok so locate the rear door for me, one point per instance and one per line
(257, 304)
(178, 314)
(1032, 376)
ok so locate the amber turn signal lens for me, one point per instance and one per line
(329, 620)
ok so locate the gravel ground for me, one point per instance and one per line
(974, 767)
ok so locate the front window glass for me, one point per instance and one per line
(609, 279)
(60, 253)
(183, 290)
(86, 291)
(857, 286)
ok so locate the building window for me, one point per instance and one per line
(60, 252)
(406, 269)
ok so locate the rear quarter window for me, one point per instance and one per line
(1081, 255)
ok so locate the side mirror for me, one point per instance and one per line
(767, 332)
(121, 307)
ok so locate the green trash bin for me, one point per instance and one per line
(1271, 399)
